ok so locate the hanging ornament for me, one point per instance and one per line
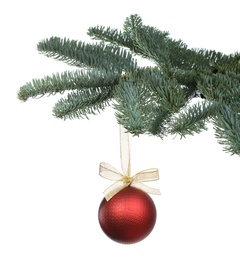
(128, 217)
(127, 214)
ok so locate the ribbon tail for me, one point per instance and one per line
(114, 189)
(146, 188)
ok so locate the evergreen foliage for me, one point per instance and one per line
(153, 100)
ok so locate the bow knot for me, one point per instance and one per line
(123, 180)
(127, 180)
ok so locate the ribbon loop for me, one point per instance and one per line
(146, 175)
(123, 180)
(107, 171)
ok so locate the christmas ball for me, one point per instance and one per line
(128, 217)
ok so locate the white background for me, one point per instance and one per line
(50, 189)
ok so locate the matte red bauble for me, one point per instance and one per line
(128, 217)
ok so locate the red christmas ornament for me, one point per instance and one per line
(128, 217)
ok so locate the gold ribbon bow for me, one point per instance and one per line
(123, 180)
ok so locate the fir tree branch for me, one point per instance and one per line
(158, 46)
(136, 37)
(150, 43)
(131, 23)
(80, 54)
(83, 102)
(229, 63)
(115, 36)
(187, 78)
(147, 100)
(168, 92)
(193, 118)
(227, 129)
(130, 107)
(223, 88)
(195, 59)
(138, 108)
(68, 80)
(159, 125)
(110, 35)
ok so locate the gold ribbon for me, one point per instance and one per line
(107, 171)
